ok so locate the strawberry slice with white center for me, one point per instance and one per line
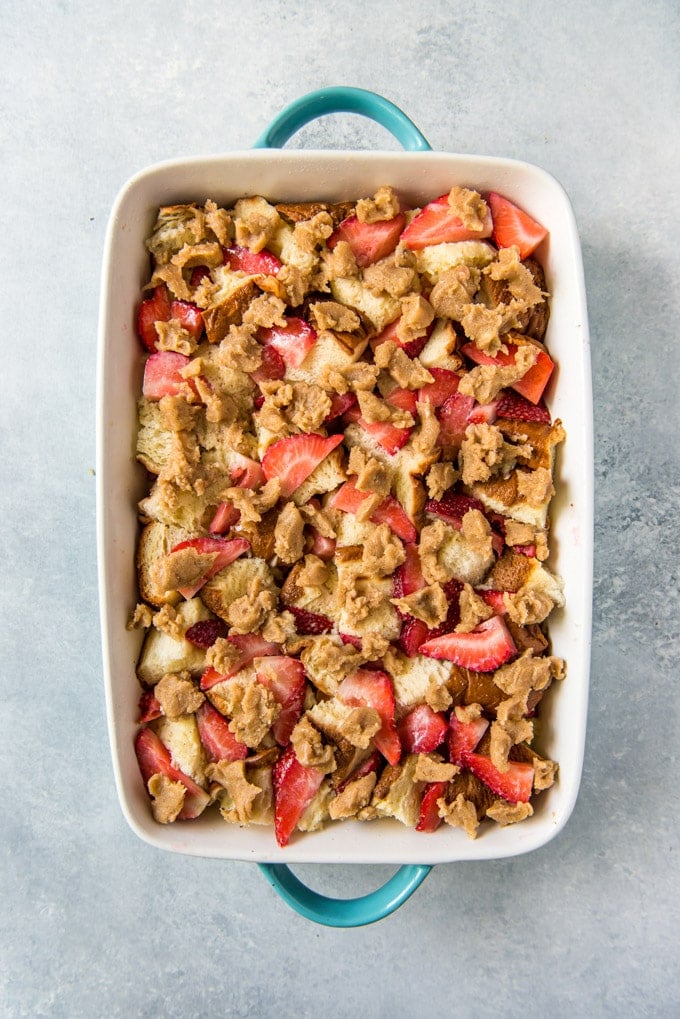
(149, 707)
(245, 472)
(348, 498)
(154, 758)
(404, 399)
(445, 385)
(216, 736)
(272, 368)
(292, 342)
(285, 677)
(163, 374)
(454, 417)
(496, 600)
(408, 577)
(429, 819)
(452, 507)
(465, 736)
(514, 785)
(385, 433)
(485, 648)
(295, 786)
(250, 646)
(515, 407)
(293, 459)
(254, 263)
(483, 413)
(532, 383)
(310, 623)
(225, 516)
(340, 404)
(373, 688)
(437, 223)
(512, 227)
(422, 730)
(189, 316)
(369, 241)
(321, 546)
(224, 552)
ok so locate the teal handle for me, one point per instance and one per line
(380, 903)
(342, 99)
(345, 912)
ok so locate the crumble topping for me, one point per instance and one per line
(429, 604)
(141, 617)
(353, 798)
(407, 373)
(469, 206)
(431, 768)
(310, 233)
(371, 475)
(389, 278)
(177, 695)
(219, 221)
(249, 613)
(384, 205)
(460, 813)
(509, 813)
(251, 707)
(310, 749)
(173, 336)
(416, 316)
(289, 535)
(453, 292)
(484, 453)
(255, 223)
(334, 316)
(222, 656)
(535, 487)
(231, 775)
(167, 798)
(473, 610)
(504, 736)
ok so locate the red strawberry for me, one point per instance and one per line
(528, 550)
(154, 758)
(464, 737)
(368, 766)
(249, 646)
(217, 737)
(452, 508)
(369, 241)
(149, 708)
(517, 408)
(273, 367)
(198, 274)
(321, 546)
(245, 472)
(348, 498)
(496, 599)
(445, 385)
(205, 632)
(374, 689)
(225, 516)
(292, 342)
(162, 374)
(254, 263)
(404, 399)
(340, 404)
(512, 226)
(429, 819)
(532, 383)
(285, 677)
(189, 316)
(483, 649)
(385, 434)
(408, 577)
(422, 730)
(154, 309)
(293, 459)
(483, 413)
(311, 623)
(295, 786)
(437, 223)
(414, 633)
(514, 785)
(225, 553)
(454, 417)
(350, 638)
(412, 348)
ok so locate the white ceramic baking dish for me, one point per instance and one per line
(419, 175)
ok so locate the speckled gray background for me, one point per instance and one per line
(95, 923)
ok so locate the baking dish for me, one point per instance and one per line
(419, 174)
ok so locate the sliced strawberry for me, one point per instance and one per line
(408, 577)
(412, 347)
(149, 708)
(483, 413)
(495, 599)
(295, 786)
(226, 515)
(532, 383)
(350, 638)
(162, 374)
(515, 407)
(285, 677)
(528, 550)
(514, 785)
(369, 241)
(445, 385)
(189, 316)
(429, 819)
(253, 263)
(205, 632)
(374, 688)
(245, 472)
(340, 404)
(482, 649)
(437, 223)
(348, 498)
(513, 227)
(454, 417)
(249, 646)
(217, 737)
(310, 623)
(292, 342)
(272, 368)
(422, 730)
(452, 507)
(225, 553)
(366, 767)
(414, 633)
(198, 274)
(385, 434)
(321, 546)
(154, 758)
(293, 459)
(154, 309)
(464, 736)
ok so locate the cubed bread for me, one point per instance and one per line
(162, 653)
